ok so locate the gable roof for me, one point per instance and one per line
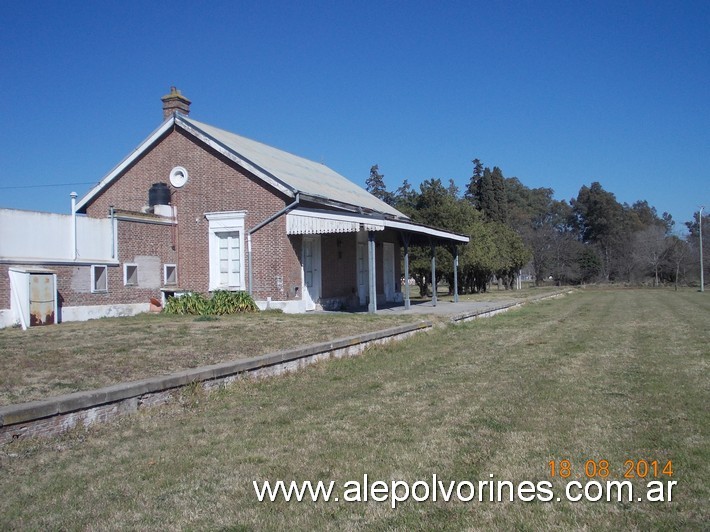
(286, 172)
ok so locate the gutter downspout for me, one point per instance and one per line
(73, 197)
(112, 214)
(254, 229)
(176, 235)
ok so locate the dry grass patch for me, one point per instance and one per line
(74, 356)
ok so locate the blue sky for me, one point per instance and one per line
(558, 94)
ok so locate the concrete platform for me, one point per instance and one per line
(444, 307)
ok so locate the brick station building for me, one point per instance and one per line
(195, 208)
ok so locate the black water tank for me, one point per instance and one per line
(159, 194)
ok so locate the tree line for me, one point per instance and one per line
(591, 238)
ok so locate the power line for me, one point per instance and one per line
(48, 186)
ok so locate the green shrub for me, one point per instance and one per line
(190, 303)
(221, 303)
(224, 302)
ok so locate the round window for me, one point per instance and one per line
(178, 176)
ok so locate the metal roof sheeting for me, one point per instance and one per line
(299, 174)
(290, 174)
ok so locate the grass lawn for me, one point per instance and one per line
(47, 361)
(610, 375)
(492, 294)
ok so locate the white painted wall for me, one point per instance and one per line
(94, 238)
(47, 237)
(288, 307)
(7, 318)
(90, 312)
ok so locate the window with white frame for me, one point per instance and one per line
(226, 245)
(99, 278)
(130, 274)
(170, 274)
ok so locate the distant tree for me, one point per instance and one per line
(600, 219)
(500, 207)
(437, 206)
(512, 254)
(486, 192)
(565, 267)
(405, 199)
(677, 257)
(453, 189)
(668, 221)
(526, 206)
(472, 190)
(593, 237)
(590, 265)
(479, 257)
(375, 185)
(597, 214)
(489, 195)
(694, 243)
(650, 249)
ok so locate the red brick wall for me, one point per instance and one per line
(215, 184)
(339, 265)
(74, 281)
(4, 287)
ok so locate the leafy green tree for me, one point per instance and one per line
(499, 211)
(472, 190)
(565, 267)
(478, 260)
(590, 264)
(405, 199)
(601, 221)
(486, 192)
(646, 215)
(489, 195)
(511, 255)
(437, 206)
(542, 222)
(375, 185)
(597, 214)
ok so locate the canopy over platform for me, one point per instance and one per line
(311, 222)
(301, 221)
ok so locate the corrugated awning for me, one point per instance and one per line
(314, 222)
(307, 222)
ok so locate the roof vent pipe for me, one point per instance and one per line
(73, 197)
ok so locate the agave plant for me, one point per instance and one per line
(224, 302)
(221, 303)
(190, 303)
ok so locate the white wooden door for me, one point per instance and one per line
(388, 270)
(311, 271)
(229, 260)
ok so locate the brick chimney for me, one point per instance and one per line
(175, 102)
